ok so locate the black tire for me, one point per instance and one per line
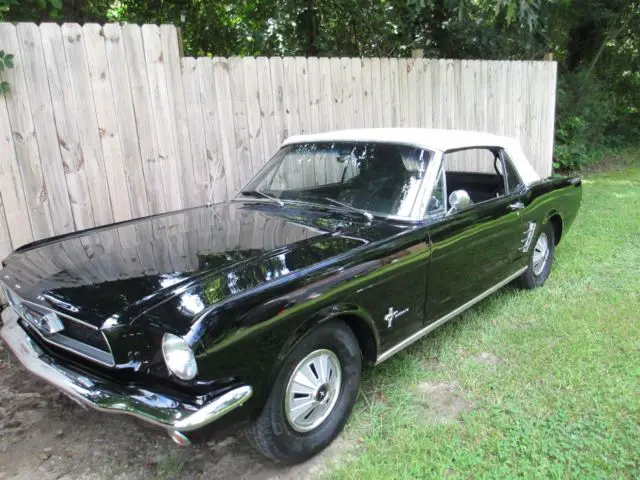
(530, 279)
(272, 434)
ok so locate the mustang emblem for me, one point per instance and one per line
(393, 314)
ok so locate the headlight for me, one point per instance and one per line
(179, 357)
(10, 296)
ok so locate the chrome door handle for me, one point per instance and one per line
(516, 206)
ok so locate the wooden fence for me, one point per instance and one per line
(107, 123)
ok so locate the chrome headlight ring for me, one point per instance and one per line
(179, 357)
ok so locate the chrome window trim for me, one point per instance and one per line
(432, 326)
(431, 179)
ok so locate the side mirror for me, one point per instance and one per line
(458, 200)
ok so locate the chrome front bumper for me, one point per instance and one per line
(102, 395)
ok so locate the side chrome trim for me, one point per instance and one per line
(432, 326)
(103, 395)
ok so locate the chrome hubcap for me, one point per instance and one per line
(313, 390)
(540, 253)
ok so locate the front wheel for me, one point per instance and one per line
(540, 260)
(312, 397)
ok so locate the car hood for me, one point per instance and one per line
(118, 271)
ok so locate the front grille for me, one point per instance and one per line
(76, 336)
(84, 334)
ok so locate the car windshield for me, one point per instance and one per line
(380, 178)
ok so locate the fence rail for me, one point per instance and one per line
(107, 123)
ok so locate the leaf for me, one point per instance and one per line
(1, 66)
(1, 53)
(9, 57)
(57, 4)
(8, 62)
(4, 87)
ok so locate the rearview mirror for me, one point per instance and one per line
(458, 200)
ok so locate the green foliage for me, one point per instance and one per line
(6, 61)
(586, 110)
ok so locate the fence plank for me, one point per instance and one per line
(123, 100)
(314, 94)
(87, 124)
(347, 92)
(181, 163)
(548, 124)
(107, 121)
(326, 97)
(15, 211)
(161, 100)
(147, 135)
(414, 104)
(403, 92)
(201, 186)
(44, 123)
(427, 105)
(240, 124)
(302, 88)
(253, 113)
(266, 106)
(357, 114)
(277, 87)
(212, 136)
(395, 92)
(337, 94)
(227, 134)
(385, 87)
(290, 97)
(24, 141)
(376, 90)
(367, 93)
(66, 124)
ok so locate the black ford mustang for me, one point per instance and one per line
(344, 249)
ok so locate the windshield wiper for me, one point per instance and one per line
(265, 195)
(368, 215)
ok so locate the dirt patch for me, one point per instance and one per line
(486, 358)
(440, 401)
(46, 436)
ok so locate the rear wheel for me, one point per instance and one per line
(540, 260)
(312, 397)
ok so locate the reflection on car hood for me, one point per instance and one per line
(120, 270)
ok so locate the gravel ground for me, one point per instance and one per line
(43, 436)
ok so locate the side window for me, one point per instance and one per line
(477, 171)
(513, 179)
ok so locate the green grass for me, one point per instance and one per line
(564, 402)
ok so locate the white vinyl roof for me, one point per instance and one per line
(431, 139)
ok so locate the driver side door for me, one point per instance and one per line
(473, 249)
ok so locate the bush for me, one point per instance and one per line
(585, 111)
(590, 117)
